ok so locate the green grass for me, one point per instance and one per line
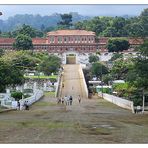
(45, 124)
(49, 94)
(42, 77)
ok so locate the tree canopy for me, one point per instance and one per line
(66, 21)
(116, 45)
(23, 42)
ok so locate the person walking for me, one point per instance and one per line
(18, 105)
(79, 98)
(65, 100)
(26, 105)
(70, 99)
(62, 100)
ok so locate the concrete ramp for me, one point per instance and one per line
(73, 82)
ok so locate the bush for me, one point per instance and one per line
(17, 95)
(52, 80)
(26, 96)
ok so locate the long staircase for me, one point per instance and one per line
(73, 82)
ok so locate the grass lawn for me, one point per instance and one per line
(41, 77)
(50, 94)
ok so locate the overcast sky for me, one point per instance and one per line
(89, 10)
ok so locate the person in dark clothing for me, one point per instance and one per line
(70, 98)
(26, 105)
(18, 104)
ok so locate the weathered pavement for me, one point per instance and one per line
(72, 82)
(93, 121)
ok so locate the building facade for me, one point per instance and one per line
(73, 46)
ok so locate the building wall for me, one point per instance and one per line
(68, 39)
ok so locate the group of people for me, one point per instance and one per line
(67, 100)
(26, 105)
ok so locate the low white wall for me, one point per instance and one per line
(57, 91)
(83, 82)
(37, 95)
(118, 101)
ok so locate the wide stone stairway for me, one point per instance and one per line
(73, 82)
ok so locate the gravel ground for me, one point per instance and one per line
(92, 121)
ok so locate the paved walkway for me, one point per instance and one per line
(72, 83)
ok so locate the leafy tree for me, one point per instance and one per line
(66, 21)
(50, 65)
(93, 58)
(79, 25)
(134, 29)
(141, 67)
(26, 61)
(25, 30)
(121, 68)
(98, 69)
(109, 32)
(119, 23)
(144, 22)
(116, 45)
(9, 75)
(1, 52)
(23, 42)
(116, 56)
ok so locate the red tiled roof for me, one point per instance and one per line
(39, 40)
(7, 40)
(71, 32)
(135, 41)
(103, 40)
(12, 40)
(132, 41)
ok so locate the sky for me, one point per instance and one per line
(88, 10)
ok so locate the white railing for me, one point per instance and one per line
(118, 101)
(37, 95)
(13, 104)
(83, 82)
(57, 91)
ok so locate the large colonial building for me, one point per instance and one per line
(74, 46)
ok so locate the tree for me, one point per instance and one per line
(116, 45)
(1, 52)
(121, 68)
(10, 75)
(109, 32)
(116, 56)
(23, 42)
(141, 67)
(99, 69)
(25, 30)
(50, 65)
(66, 22)
(134, 29)
(93, 58)
(144, 22)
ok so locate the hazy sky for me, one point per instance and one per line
(90, 10)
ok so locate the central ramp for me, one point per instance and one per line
(73, 81)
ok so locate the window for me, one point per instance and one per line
(52, 39)
(59, 39)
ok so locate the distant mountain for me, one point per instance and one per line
(36, 21)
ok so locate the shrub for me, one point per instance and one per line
(17, 95)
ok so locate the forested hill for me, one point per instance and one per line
(36, 21)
